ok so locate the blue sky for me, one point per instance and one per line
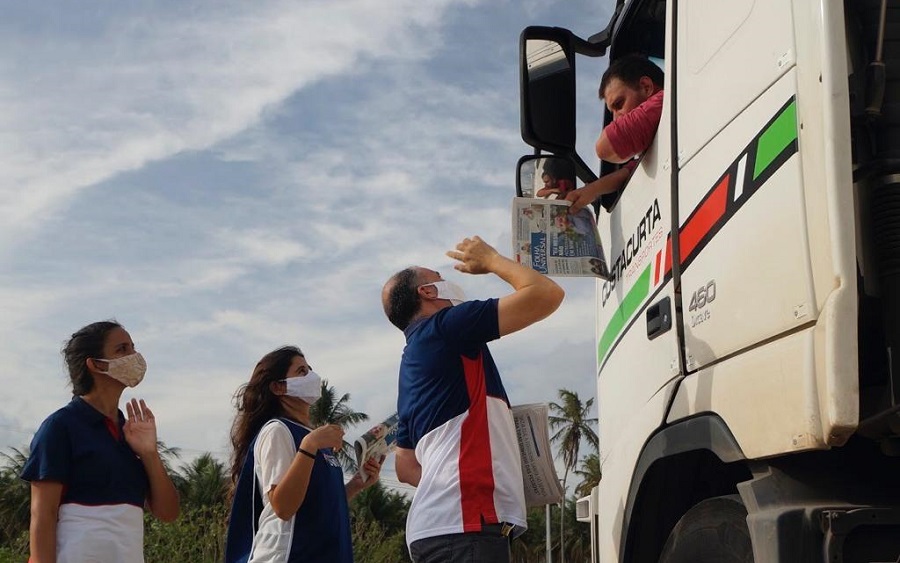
(224, 178)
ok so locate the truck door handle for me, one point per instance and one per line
(659, 318)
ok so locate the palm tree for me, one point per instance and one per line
(388, 508)
(203, 483)
(590, 474)
(378, 525)
(168, 455)
(573, 424)
(331, 410)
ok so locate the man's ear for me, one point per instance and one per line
(647, 86)
(428, 291)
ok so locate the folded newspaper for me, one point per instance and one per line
(538, 471)
(539, 475)
(550, 240)
(377, 442)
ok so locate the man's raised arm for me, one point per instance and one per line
(535, 297)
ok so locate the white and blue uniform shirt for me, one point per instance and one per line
(101, 513)
(454, 412)
(320, 530)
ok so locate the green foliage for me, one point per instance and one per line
(15, 552)
(168, 455)
(202, 483)
(198, 535)
(372, 544)
(15, 506)
(530, 547)
(379, 503)
(590, 473)
(572, 424)
(378, 525)
(578, 538)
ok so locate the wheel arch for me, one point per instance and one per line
(679, 465)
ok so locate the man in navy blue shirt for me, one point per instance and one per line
(456, 438)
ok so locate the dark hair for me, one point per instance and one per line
(403, 300)
(256, 404)
(630, 69)
(86, 342)
(558, 168)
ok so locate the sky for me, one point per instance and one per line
(224, 178)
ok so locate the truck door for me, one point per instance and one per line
(638, 349)
(762, 189)
(742, 248)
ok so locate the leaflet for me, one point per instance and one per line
(378, 442)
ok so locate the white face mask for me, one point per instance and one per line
(449, 291)
(128, 370)
(307, 388)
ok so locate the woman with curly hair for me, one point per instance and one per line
(290, 500)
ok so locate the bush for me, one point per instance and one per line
(197, 536)
(16, 551)
(372, 545)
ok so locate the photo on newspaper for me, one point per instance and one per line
(539, 475)
(377, 442)
(549, 239)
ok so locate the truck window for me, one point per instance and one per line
(643, 31)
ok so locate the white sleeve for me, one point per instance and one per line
(274, 452)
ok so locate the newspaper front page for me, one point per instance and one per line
(552, 241)
(541, 482)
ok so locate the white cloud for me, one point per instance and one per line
(225, 178)
(149, 85)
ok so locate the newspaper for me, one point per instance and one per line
(377, 442)
(550, 240)
(538, 471)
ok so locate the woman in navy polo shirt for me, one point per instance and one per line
(290, 501)
(91, 471)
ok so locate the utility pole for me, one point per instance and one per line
(562, 515)
(547, 518)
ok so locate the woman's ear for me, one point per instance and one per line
(93, 366)
(277, 388)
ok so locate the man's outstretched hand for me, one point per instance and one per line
(474, 255)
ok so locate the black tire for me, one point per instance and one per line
(712, 531)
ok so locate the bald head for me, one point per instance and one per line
(400, 297)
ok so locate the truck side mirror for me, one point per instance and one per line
(542, 176)
(547, 89)
(546, 235)
(548, 177)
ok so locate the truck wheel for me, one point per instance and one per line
(714, 531)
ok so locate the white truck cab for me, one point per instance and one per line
(748, 334)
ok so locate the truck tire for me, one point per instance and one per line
(714, 531)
